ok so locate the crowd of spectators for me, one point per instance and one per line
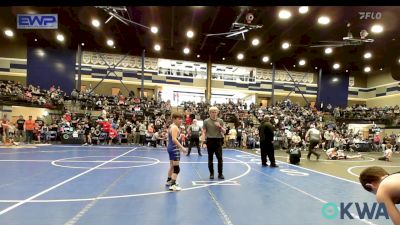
(389, 115)
(131, 120)
(291, 119)
(12, 92)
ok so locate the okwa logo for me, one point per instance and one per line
(362, 210)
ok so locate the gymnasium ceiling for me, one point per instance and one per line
(173, 23)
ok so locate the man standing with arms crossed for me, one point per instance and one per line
(213, 130)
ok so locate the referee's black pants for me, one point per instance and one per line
(194, 141)
(267, 149)
(214, 145)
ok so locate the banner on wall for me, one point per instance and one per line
(281, 75)
(135, 62)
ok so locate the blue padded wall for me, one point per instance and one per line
(47, 66)
(333, 89)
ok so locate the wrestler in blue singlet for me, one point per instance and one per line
(173, 151)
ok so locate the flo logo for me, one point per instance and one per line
(364, 210)
(370, 15)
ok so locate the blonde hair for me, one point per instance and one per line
(213, 109)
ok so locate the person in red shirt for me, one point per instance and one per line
(67, 117)
(112, 135)
(182, 137)
(188, 120)
(106, 125)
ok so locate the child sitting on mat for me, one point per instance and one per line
(387, 154)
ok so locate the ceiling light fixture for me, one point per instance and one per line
(154, 29)
(189, 34)
(324, 20)
(285, 45)
(328, 51)
(255, 42)
(336, 66)
(110, 42)
(377, 28)
(9, 33)
(284, 14)
(157, 47)
(367, 55)
(186, 50)
(60, 37)
(303, 9)
(95, 23)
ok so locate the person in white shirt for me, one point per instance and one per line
(244, 139)
(232, 137)
(296, 139)
(328, 135)
(11, 130)
(289, 135)
(313, 136)
(99, 103)
(387, 154)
